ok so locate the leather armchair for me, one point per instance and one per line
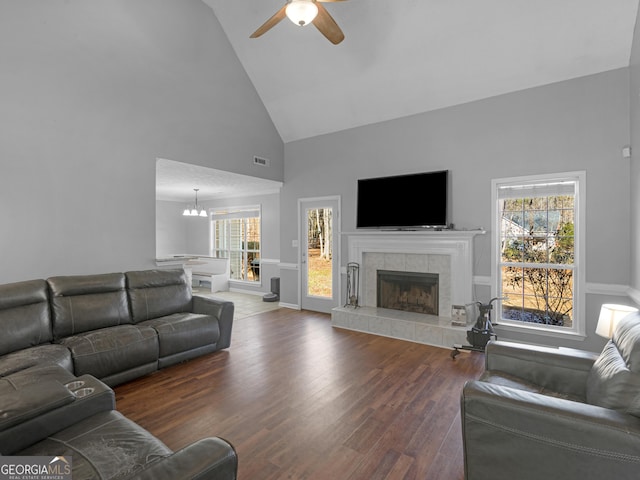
(543, 412)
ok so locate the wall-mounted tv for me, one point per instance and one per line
(411, 201)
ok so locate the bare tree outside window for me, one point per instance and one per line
(537, 259)
(320, 251)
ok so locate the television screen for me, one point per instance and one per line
(416, 200)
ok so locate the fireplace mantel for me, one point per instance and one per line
(449, 251)
(457, 244)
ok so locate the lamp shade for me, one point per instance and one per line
(610, 315)
(301, 12)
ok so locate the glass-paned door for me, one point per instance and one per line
(319, 260)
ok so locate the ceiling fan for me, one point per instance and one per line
(303, 12)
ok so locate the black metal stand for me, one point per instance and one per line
(353, 284)
(480, 333)
(456, 348)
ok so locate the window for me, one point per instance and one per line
(537, 240)
(235, 234)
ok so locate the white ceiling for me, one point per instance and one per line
(402, 57)
(175, 181)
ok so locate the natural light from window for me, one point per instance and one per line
(235, 234)
(537, 241)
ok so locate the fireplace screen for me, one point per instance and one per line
(408, 291)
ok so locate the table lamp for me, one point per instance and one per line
(610, 315)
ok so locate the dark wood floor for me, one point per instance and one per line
(302, 400)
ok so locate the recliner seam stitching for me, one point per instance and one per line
(549, 440)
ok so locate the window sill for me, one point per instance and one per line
(544, 332)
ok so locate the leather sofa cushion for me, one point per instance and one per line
(48, 421)
(82, 303)
(104, 446)
(157, 293)
(40, 373)
(181, 332)
(36, 421)
(24, 315)
(24, 403)
(111, 350)
(49, 354)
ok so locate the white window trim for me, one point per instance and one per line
(243, 211)
(579, 320)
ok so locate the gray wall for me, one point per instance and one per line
(92, 93)
(634, 97)
(580, 124)
(172, 229)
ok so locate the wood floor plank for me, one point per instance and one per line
(301, 400)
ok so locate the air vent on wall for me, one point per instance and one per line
(263, 162)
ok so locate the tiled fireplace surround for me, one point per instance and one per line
(447, 253)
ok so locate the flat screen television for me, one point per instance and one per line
(403, 202)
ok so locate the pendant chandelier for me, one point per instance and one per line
(194, 210)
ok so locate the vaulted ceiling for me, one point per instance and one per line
(403, 57)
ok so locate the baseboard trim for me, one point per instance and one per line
(292, 306)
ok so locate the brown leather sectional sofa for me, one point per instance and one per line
(66, 340)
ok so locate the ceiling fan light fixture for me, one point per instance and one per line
(302, 12)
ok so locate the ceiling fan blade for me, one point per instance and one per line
(327, 25)
(272, 22)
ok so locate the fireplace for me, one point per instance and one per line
(447, 254)
(408, 291)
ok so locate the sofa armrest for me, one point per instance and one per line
(209, 458)
(510, 433)
(49, 418)
(222, 310)
(558, 369)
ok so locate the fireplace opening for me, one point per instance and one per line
(408, 291)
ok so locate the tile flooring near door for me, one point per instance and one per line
(245, 304)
